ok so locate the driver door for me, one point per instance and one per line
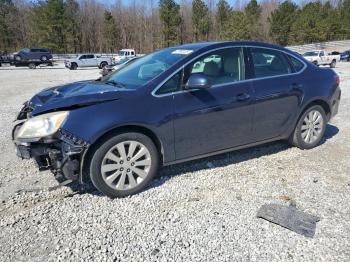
(219, 117)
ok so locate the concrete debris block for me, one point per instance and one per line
(290, 218)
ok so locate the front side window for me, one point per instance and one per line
(172, 85)
(82, 57)
(89, 56)
(220, 67)
(267, 62)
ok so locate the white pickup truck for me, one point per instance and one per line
(88, 60)
(126, 53)
(319, 57)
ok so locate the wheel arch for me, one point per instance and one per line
(319, 101)
(103, 63)
(113, 132)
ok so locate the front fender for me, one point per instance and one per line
(92, 122)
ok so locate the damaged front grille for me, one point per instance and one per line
(71, 139)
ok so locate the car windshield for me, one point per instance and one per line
(145, 69)
(311, 53)
(121, 53)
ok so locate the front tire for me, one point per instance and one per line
(310, 128)
(73, 66)
(124, 164)
(332, 65)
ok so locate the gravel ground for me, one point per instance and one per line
(199, 211)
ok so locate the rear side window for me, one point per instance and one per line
(268, 62)
(89, 56)
(297, 64)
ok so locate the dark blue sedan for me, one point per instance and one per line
(175, 105)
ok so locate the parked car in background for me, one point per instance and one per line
(126, 53)
(38, 54)
(319, 57)
(88, 60)
(174, 105)
(5, 58)
(345, 56)
(115, 66)
(30, 61)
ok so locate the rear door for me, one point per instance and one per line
(91, 60)
(219, 117)
(277, 92)
(34, 54)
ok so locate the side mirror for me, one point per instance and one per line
(197, 81)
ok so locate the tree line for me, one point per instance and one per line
(73, 26)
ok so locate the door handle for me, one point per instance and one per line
(243, 97)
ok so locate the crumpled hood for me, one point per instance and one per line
(75, 95)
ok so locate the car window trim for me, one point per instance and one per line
(229, 83)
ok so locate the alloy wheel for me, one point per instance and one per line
(126, 165)
(312, 127)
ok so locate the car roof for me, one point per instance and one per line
(197, 46)
(41, 48)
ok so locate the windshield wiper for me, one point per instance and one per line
(115, 83)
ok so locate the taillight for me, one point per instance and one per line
(337, 79)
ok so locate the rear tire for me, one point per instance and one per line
(103, 64)
(43, 58)
(18, 58)
(124, 164)
(310, 128)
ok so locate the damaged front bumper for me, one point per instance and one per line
(62, 153)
